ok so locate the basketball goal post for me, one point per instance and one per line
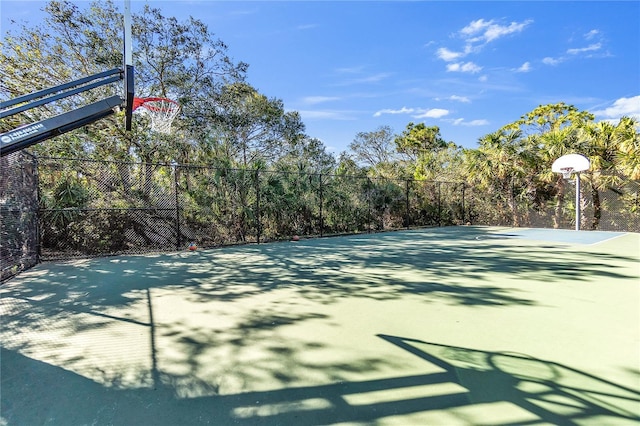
(572, 164)
(29, 134)
(161, 111)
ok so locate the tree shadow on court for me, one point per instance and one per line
(459, 385)
(93, 325)
(458, 266)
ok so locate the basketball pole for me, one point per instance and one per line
(128, 54)
(577, 201)
(127, 57)
(572, 163)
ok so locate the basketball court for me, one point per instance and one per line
(446, 326)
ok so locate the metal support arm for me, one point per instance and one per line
(32, 134)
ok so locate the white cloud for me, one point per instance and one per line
(472, 123)
(494, 32)
(447, 55)
(469, 67)
(306, 26)
(551, 61)
(629, 107)
(488, 31)
(326, 115)
(475, 27)
(375, 78)
(432, 113)
(526, 67)
(594, 47)
(477, 123)
(462, 99)
(590, 48)
(591, 34)
(415, 112)
(476, 35)
(403, 110)
(313, 100)
(350, 70)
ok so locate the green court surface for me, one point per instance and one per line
(441, 326)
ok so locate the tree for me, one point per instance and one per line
(252, 127)
(551, 117)
(628, 153)
(422, 147)
(552, 131)
(418, 139)
(499, 166)
(601, 149)
(374, 149)
(607, 146)
(307, 156)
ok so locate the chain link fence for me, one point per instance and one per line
(607, 203)
(58, 208)
(18, 213)
(92, 208)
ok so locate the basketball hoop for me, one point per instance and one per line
(568, 165)
(566, 172)
(162, 111)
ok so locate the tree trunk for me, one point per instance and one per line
(515, 220)
(597, 207)
(125, 176)
(148, 179)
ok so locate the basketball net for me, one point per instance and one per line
(566, 172)
(162, 112)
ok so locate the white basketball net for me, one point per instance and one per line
(162, 112)
(566, 172)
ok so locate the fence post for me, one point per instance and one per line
(463, 211)
(407, 214)
(36, 166)
(258, 223)
(439, 203)
(370, 214)
(177, 203)
(321, 201)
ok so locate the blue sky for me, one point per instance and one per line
(467, 67)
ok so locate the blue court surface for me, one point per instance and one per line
(560, 235)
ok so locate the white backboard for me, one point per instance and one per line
(575, 162)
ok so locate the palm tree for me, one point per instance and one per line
(499, 166)
(554, 144)
(628, 154)
(601, 147)
(611, 148)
